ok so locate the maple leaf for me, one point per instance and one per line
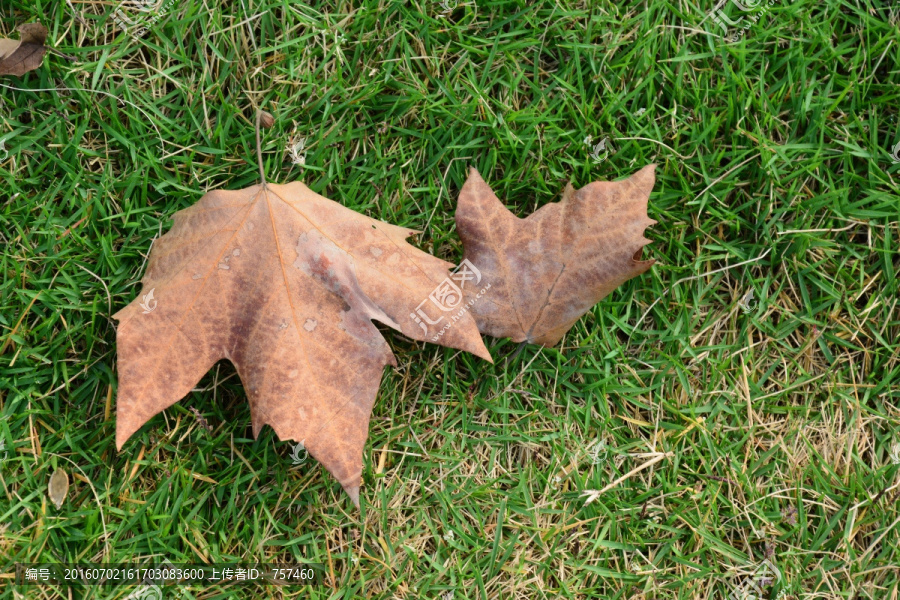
(17, 57)
(547, 270)
(285, 284)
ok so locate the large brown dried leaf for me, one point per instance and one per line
(17, 57)
(284, 283)
(547, 270)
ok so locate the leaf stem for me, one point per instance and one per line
(262, 175)
(515, 354)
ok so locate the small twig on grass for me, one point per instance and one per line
(103, 283)
(18, 323)
(595, 494)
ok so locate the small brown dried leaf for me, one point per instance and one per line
(547, 270)
(59, 487)
(201, 419)
(18, 57)
(266, 120)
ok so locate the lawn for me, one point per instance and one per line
(731, 417)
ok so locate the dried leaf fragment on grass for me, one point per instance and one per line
(18, 57)
(266, 120)
(550, 268)
(58, 487)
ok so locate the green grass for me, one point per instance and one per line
(774, 175)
